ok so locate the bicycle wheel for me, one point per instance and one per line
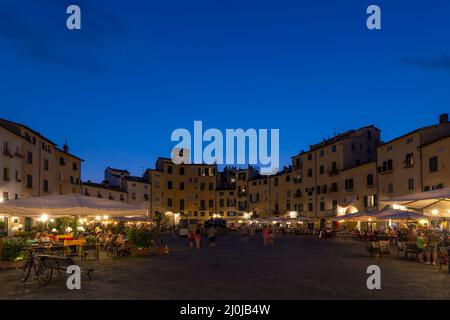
(45, 274)
(26, 270)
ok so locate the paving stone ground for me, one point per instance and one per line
(296, 267)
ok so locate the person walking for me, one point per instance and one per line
(265, 235)
(198, 239)
(191, 239)
(212, 234)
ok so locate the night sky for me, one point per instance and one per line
(137, 70)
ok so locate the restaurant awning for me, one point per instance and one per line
(391, 214)
(68, 205)
(432, 203)
(357, 216)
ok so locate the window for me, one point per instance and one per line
(146, 198)
(211, 203)
(370, 180)
(211, 186)
(5, 196)
(409, 160)
(202, 204)
(45, 185)
(310, 172)
(322, 205)
(322, 153)
(390, 187)
(6, 147)
(334, 205)
(202, 186)
(133, 195)
(409, 140)
(169, 185)
(169, 169)
(433, 164)
(309, 156)
(30, 157)
(349, 184)
(181, 171)
(334, 187)
(310, 207)
(276, 182)
(122, 198)
(29, 181)
(75, 166)
(387, 166)
(221, 203)
(6, 175)
(169, 202)
(46, 165)
(288, 178)
(181, 204)
(62, 161)
(369, 201)
(333, 148)
(411, 184)
(321, 169)
(18, 176)
(181, 185)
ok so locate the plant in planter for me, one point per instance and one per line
(374, 252)
(12, 253)
(91, 240)
(141, 241)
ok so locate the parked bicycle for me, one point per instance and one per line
(42, 272)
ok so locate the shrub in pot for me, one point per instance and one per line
(13, 249)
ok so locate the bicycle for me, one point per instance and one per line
(42, 272)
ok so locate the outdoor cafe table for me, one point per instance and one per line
(74, 246)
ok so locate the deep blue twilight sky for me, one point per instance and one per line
(139, 69)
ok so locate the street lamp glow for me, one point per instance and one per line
(98, 218)
(435, 211)
(1, 200)
(293, 214)
(105, 217)
(44, 217)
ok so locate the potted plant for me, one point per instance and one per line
(141, 241)
(12, 252)
(374, 252)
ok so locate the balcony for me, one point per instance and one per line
(7, 153)
(242, 194)
(333, 171)
(18, 154)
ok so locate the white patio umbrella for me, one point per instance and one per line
(433, 203)
(68, 205)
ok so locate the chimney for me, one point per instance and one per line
(443, 118)
(66, 148)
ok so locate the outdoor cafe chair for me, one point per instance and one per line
(57, 250)
(89, 249)
(401, 247)
(385, 250)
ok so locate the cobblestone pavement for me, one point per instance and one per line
(296, 267)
